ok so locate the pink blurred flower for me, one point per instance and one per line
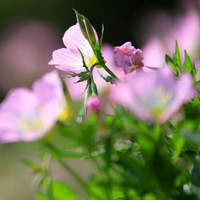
(154, 53)
(154, 96)
(69, 59)
(128, 57)
(30, 44)
(186, 32)
(93, 104)
(26, 115)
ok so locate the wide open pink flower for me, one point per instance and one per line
(128, 57)
(154, 96)
(26, 115)
(69, 59)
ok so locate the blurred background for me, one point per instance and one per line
(31, 30)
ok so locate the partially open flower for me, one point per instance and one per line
(154, 96)
(69, 59)
(128, 57)
(27, 115)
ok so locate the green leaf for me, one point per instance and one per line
(65, 153)
(192, 136)
(96, 189)
(197, 83)
(41, 196)
(170, 62)
(101, 38)
(194, 72)
(80, 115)
(149, 196)
(84, 64)
(90, 32)
(31, 165)
(81, 24)
(107, 78)
(195, 175)
(60, 191)
(177, 57)
(187, 67)
(94, 88)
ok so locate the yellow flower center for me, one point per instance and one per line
(26, 124)
(92, 60)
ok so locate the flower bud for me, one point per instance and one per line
(93, 104)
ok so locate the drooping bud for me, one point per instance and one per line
(128, 57)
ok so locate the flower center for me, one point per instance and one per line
(92, 60)
(28, 123)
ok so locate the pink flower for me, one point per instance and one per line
(154, 96)
(128, 57)
(93, 104)
(76, 90)
(69, 59)
(26, 115)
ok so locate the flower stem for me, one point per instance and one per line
(71, 171)
(46, 163)
(78, 179)
(106, 69)
(110, 72)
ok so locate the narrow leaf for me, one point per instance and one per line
(41, 196)
(90, 33)
(101, 38)
(84, 64)
(194, 72)
(81, 24)
(177, 57)
(170, 62)
(187, 67)
(107, 78)
(31, 165)
(195, 175)
(61, 191)
(94, 88)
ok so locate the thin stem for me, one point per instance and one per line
(71, 171)
(49, 189)
(108, 148)
(78, 179)
(110, 72)
(46, 163)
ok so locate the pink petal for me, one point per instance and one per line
(74, 39)
(68, 59)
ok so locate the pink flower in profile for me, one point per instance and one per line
(76, 93)
(69, 59)
(154, 96)
(128, 57)
(26, 115)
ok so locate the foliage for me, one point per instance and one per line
(133, 159)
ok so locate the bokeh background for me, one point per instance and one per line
(31, 30)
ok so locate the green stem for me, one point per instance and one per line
(71, 171)
(49, 189)
(110, 72)
(46, 163)
(108, 148)
(78, 179)
(106, 69)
